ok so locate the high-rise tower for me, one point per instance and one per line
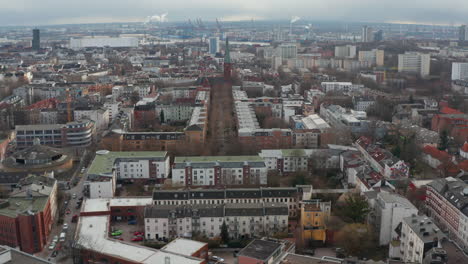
(36, 41)
(227, 63)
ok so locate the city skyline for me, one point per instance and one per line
(54, 12)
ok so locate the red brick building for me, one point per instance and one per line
(455, 124)
(266, 138)
(26, 218)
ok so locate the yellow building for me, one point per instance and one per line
(314, 214)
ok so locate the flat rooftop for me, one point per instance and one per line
(260, 249)
(184, 246)
(92, 234)
(200, 159)
(104, 161)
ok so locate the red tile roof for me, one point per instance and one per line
(449, 110)
(436, 153)
(465, 147)
(463, 165)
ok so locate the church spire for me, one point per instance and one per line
(227, 55)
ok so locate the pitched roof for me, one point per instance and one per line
(436, 153)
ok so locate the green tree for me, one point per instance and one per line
(444, 140)
(354, 209)
(224, 233)
(161, 116)
(356, 240)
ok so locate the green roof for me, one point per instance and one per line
(21, 206)
(218, 158)
(103, 163)
(293, 152)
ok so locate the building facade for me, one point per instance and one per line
(414, 62)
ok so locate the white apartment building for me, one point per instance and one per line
(286, 160)
(348, 51)
(287, 51)
(114, 42)
(459, 70)
(447, 201)
(373, 57)
(389, 211)
(99, 116)
(100, 186)
(113, 108)
(128, 165)
(242, 220)
(219, 171)
(340, 86)
(175, 112)
(289, 196)
(414, 62)
(418, 235)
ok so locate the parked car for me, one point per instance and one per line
(74, 219)
(117, 233)
(137, 233)
(216, 258)
(137, 239)
(52, 245)
(68, 211)
(54, 254)
(74, 196)
(65, 226)
(55, 239)
(132, 222)
(62, 237)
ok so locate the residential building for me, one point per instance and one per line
(73, 134)
(287, 195)
(132, 166)
(388, 213)
(286, 160)
(219, 171)
(243, 220)
(362, 103)
(27, 216)
(99, 116)
(434, 157)
(447, 201)
(264, 251)
(414, 62)
(344, 87)
(14, 256)
(287, 51)
(382, 160)
(341, 118)
(459, 71)
(373, 57)
(314, 215)
(120, 140)
(418, 235)
(92, 242)
(348, 51)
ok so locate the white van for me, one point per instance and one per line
(62, 237)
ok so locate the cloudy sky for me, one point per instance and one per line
(42, 12)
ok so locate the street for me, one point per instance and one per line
(64, 248)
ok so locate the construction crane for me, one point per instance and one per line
(69, 112)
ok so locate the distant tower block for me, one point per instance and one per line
(227, 63)
(36, 41)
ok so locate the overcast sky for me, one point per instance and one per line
(42, 12)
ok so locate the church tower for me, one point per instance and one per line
(227, 63)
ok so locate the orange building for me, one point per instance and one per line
(314, 214)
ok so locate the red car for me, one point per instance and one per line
(138, 233)
(68, 211)
(121, 239)
(137, 239)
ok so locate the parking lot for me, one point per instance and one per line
(127, 230)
